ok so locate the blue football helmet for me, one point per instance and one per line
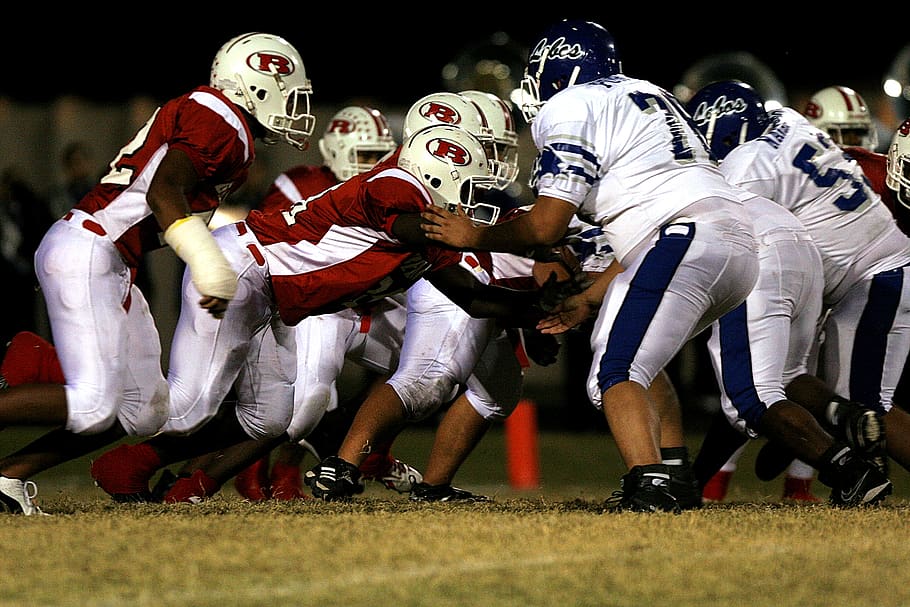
(728, 113)
(569, 52)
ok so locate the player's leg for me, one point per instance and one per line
(435, 358)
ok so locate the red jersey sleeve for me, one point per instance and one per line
(393, 192)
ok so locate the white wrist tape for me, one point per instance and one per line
(193, 242)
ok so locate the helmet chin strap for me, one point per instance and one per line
(743, 131)
(709, 132)
(575, 71)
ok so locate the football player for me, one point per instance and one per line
(446, 354)
(779, 316)
(864, 255)
(684, 245)
(160, 190)
(841, 112)
(354, 140)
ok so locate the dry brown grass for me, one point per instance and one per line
(554, 546)
(383, 550)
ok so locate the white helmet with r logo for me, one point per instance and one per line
(452, 165)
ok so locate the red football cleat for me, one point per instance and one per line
(31, 359)
(376, 465)
(287, 483)
(124, 472)
(253, 481)
(192, 489)
(715, 490)
(798, 489)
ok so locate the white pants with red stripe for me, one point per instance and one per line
(249, 349)
(105, 335)
(326, 341)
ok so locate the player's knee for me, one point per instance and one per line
(270, 428)
(92, 423)
(309, 409)
(261, 428)
(147, 418)
(262, 423)
(90, 409)
(425, 396)
(606, 380)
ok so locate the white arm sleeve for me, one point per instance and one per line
(193, 242)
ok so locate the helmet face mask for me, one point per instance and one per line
(452, 165)
(569, 52)
(356, 138)
(502, 151)
(843, 114)
(728, 113)
(897, 173)
(264, 75)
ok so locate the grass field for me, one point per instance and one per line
(547, 546)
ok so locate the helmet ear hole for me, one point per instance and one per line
(434, 182)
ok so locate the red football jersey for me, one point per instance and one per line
(296, 184)
(875, 167)
(214, 135)
(336, 249)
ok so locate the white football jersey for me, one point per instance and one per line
(615, 148)
(802, 169)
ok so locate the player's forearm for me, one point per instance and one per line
(511, 307)
(520, 236)
(595, 293)
(194, 244)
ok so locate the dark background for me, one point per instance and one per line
(397, 54)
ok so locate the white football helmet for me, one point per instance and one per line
(504, 163)
(356, 138)
(897, 175)
(264, 75)
(447, 108)
(843, 114)
(452, 165)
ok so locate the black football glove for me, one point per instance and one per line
(553, 292)
(541, 348)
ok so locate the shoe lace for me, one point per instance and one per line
(397, 469)
(30, 489)
(29, 493)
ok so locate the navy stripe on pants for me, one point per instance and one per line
(646, 290)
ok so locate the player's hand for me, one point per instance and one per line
(540, 348)
(215, 305)
(554, 291)
(454, 229)
(572, 312)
